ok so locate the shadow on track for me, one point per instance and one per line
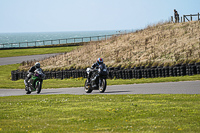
(117, 92)
(50, 93)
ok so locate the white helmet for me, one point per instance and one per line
(37, 65)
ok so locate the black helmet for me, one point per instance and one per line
(100, 61)
(37, 65)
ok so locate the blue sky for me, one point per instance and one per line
(88, 15)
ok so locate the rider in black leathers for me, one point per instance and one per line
(95, 65)
(31, 72)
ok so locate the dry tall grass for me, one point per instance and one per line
(164, 43)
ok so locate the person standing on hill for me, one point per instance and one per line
(176, 16)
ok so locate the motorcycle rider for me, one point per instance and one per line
(95, 65)
(31, 72)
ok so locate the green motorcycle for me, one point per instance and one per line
(35, 82)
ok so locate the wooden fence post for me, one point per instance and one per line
(191, 17)
(172, 19)
(183, 18)
(198, 17)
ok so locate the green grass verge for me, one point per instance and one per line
(6, 82)
(161, 113)
(35, 51)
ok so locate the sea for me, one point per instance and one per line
(7, 38)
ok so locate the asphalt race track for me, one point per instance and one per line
(20, 59)
(185, 87)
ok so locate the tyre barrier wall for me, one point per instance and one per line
(15, 75)
(121, 73)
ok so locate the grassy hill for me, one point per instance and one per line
(160, 44)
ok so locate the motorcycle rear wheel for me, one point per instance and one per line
(87, 88)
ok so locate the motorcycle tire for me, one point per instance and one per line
(103, 87)
(38, 87)
(87, 88)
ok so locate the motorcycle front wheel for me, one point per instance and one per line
(103, 85)
(87, 87)
(38, 87)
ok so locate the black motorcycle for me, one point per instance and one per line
(97, 80)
